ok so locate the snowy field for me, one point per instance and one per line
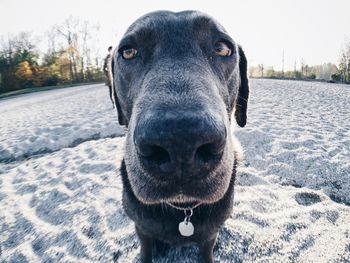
(60, 189)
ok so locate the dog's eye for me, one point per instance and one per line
(129, 53)
(222, 49)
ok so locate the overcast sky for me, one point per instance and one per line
(312, 30)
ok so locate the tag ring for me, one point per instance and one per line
(188, 215)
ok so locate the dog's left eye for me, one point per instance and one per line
(222, 49)
(129, 53)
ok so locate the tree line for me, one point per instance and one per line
(72, 56)
(326, 71)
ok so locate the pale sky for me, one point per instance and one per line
(309, 29)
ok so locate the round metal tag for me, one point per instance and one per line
(186, 228)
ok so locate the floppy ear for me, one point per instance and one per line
(121, 118)
(243, 91)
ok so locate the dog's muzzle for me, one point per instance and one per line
(179, 144)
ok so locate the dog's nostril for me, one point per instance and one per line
(159, 155)
(155, 154)
(209, 151)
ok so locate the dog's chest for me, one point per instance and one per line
(166, 228)
(163, 224)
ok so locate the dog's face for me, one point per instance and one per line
(178, 78)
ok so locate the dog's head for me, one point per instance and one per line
(178, 78)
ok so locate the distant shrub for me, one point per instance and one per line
(336, 77)
(311, 76)
(52, 81)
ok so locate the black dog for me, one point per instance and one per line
(178, 77)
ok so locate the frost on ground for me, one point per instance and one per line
(48, 121)
(298, 134)
(60, 190)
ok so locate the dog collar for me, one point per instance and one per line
(186, 228)
(183, 208)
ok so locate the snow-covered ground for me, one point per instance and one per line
(60, 189)
(49, 121)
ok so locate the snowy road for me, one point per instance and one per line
(60, 190)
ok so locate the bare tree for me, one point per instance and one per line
(87, 33)
(344, 62)
(52, 44)
(306, 70)
(6, 49)
(24, 41)
(69, 31)
(347, 55)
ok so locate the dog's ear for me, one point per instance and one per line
(121, 118)
(243, 91)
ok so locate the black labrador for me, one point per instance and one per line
(178, 78)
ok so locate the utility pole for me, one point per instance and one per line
(262, 70)
(295, 68)
(283, 64)
(302, 67)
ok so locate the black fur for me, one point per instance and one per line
(243, 94)
(176, 96)
(159, 223)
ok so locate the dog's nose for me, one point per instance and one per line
(166, 142)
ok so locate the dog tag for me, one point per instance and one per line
(186, 228)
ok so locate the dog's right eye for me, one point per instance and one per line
(223, 49)
(129, 53)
